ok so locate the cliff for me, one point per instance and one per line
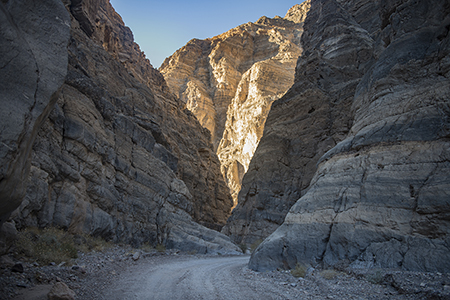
(309, 120)
(119, 156)
(230, 81)
(380, 196)
(33, 66)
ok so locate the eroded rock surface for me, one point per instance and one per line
(380, 197)
(119, 156)
(309, 120)
(33, 64)
(230, 81)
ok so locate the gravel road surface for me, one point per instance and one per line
(125, 273)
(199, 278)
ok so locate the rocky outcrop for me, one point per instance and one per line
(380, 197)
(230, 81)
(309, 120)
(33, 64)
(101, 23)
(119, 156)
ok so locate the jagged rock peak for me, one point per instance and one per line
(102, 24)
(230, 81)
(298, 12)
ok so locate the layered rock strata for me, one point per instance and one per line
(380, 197)
(230, 81)
(119, 156)
(309, 120)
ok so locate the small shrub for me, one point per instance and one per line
(255, 245)
(299, 270)
(55, 245)
(160, 248)
(329, 274)
(243, 247)
(98, 244)
(86, 243)
(47, 245)
(146, 247)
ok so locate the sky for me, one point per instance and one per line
(161, 27)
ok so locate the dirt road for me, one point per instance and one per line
(200, 278)
(114, 274)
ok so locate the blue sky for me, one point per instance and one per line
(162, 27)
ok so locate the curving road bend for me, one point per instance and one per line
(193, 278)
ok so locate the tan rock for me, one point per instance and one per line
(230, 81)
(298, 12)
(60, 291)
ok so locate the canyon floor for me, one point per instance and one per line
(125, 273)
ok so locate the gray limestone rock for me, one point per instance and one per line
(181, 232)
(8, 235)
(33, 65)
(118, 156)
(380, 197)
(310, 119)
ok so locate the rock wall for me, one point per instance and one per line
(33, 64)
(380, 197)
(119, 156)
(230, 81)
(309, 120)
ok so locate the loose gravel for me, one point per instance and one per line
(121, 272)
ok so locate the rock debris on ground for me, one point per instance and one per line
(120, 272)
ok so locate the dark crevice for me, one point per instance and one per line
(326, 241)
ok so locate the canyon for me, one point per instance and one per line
(110, 152)
(323, 134)
(351, 161)
(230, 81)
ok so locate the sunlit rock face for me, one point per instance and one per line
(230, 81)
(379, 197)
(119, 156)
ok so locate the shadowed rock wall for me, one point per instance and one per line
(380, 197)
(118, 156)
(33, 64)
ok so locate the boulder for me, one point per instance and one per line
(8, 235)
(60, 291)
